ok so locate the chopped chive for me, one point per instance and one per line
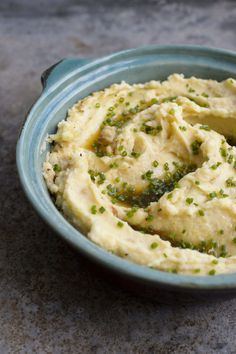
(176, 185)
(230, 182)
(189, 200)
(223, 252)
(205, 127)
(151, 130)
(212, 272)
(212, 195)
(93, 209)
(155, 163)
(214, 261)
(131, 212)
(154, 101)
(113, 165)
(215, 166)
(201, 212)
(135, 154)
(166, 166)
(172, 111)
(230, 159)
(222, 194)
(102, 209)
(102, 178)
(223, 152)
(154, 245)
(150, 217)
(147, 175)
(56, 168)
(120, 224)
(197, 270)
(195, 146)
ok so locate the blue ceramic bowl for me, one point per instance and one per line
(72, 79)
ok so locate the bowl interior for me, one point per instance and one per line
(133, 66)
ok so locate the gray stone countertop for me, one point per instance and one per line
(50, 300)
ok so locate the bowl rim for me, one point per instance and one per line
(81, 242)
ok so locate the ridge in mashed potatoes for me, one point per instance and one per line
(148, 172)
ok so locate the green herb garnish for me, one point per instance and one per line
(93, 209)
(155, 163)
(215, 166)
(166, 166)
(189, 200)
(56, 168)
(230, 182)
(201, 212)
(223, 152)
(102, 209)
(212, 195)
(205, 127)
(151, 130)
(154, 245)
(172, 111)
(131, 212)
(214, 261)
(135, 154)
(195, 146)
(113, 165)
(150, 217)
(120, 224)
(197, 270)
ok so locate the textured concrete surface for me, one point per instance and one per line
(50, 300)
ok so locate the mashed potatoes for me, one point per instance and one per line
(148, 172)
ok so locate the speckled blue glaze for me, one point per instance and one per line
(72, 79)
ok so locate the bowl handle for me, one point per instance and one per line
(60, 69)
